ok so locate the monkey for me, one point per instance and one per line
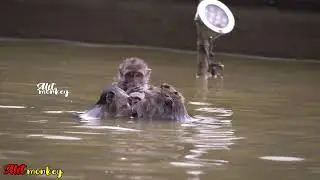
(162, 103)
(178, 110)
(133, 96)
(113, 102)
(153, 106)
(132, 80)
(133, 72)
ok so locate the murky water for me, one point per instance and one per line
(261, 121)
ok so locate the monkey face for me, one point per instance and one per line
(135, 96)
(134, 78)
(115, 101)
(134, 100)
(133, 72)
(167, 102)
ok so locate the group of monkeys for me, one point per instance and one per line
(132, 96)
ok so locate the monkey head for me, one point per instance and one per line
(115, 101)
(162, 103)
(176, 111)
(172, 92)
(133, 72)
(135, 97)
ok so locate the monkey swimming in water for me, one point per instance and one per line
(132, 81)
(162, 103)
(132, 96)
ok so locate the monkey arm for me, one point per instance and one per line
(112, 101)
(110, 94)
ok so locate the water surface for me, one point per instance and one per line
(260, 122)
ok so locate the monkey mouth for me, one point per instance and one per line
(169, 103)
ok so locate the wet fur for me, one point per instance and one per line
(138, 98)
(162, 103)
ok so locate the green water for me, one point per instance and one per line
(260, 108)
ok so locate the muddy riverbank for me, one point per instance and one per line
(263, 31)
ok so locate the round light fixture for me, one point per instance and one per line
(216, 16)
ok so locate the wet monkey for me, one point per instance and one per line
(153, 106)
(113, 102)
(178, 110)
(131, 95)
(132, 81)
(162, 103)
(133, 72)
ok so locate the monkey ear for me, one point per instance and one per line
(148, 71)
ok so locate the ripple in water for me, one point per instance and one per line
(186, 164)
(281, 158)
(13, 107)
(213, 134)
(200, 103)
(84, 133)
(47, 136)
(223, 112)
(60, 112)
(108, 127)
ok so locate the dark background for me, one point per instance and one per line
(283, 28)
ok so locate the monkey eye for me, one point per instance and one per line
(133, 74)
(110, 96)
(166, 86)
(134, 100)
(137, 98)
(129, 74)
(138, 74)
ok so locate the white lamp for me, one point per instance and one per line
(216, 16)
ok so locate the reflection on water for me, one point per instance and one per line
(260, 122)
